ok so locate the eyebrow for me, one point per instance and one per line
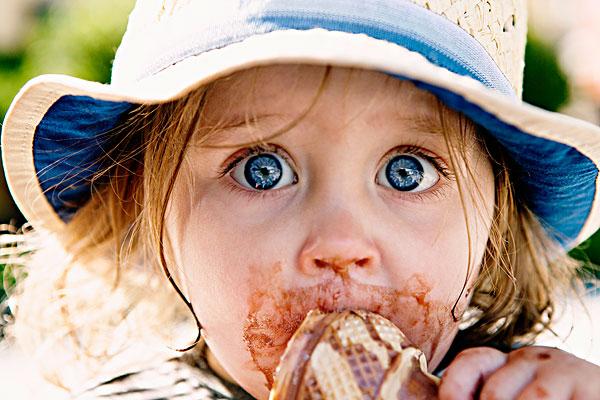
(423, 124)
(224, 130)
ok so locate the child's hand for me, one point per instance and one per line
(528, 373)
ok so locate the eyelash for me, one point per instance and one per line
(249, 152)
(435, 192)
(436, 161)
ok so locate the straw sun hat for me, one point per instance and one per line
(470, 53)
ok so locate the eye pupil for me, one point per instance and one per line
(263, 171)
(405, 173)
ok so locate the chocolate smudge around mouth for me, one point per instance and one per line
(275, 313)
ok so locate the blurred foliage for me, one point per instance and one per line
(589, 253)
(7, 281)
(544, 84)
(76, 38)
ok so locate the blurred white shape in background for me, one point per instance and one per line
(15, 22)
(579, 49)
(549, 20)
(577, 329)
(20, 379)
(573, 29)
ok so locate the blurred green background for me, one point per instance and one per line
(79, 38)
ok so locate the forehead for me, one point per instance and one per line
(293, 86)
(278, 93)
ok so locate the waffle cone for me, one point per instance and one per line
(351, 355)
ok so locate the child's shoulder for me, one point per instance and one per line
(186, 377)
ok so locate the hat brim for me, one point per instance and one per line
(557, 155)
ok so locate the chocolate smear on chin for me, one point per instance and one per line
(274, 313)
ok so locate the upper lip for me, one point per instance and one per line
(338, 295)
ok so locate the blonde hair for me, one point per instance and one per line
(91, 282)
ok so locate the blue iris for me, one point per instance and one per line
(263, 171)
(405, 173)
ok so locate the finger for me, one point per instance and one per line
(588, 391)
(509, 380)
(549, 388)
(467, 371)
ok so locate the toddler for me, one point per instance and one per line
(254, 160)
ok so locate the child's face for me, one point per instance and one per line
(338, 230)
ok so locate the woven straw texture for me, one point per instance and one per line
(499, 25)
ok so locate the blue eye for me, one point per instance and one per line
(263, 171)
(408, 173)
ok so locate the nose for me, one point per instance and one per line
(339, 245)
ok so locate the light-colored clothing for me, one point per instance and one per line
(185, 378)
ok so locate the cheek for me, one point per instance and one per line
(429, 308)
(215, 256)
(219, 257)
(437, 248)
(438, 245)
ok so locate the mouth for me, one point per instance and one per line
(274, 315)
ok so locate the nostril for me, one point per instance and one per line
(362, 262)
(326, 264)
